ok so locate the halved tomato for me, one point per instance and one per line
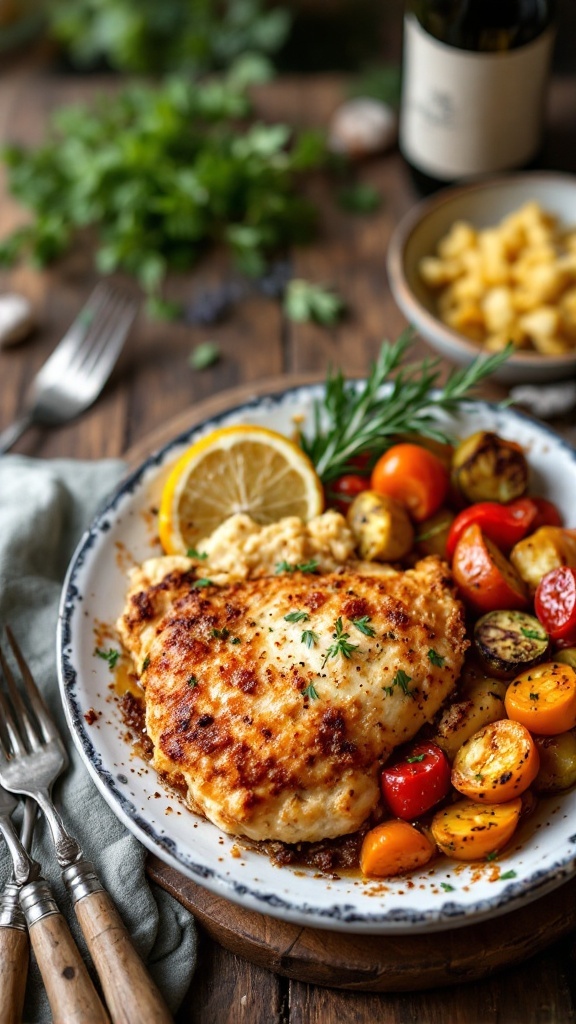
(485, 578)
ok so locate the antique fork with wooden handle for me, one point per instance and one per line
(70, 991)
(29, 764)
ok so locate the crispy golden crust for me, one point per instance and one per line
(229, 704)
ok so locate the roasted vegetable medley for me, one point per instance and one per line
(509, 732)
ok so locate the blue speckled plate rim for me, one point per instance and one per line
(340, 916)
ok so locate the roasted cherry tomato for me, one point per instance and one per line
(547, 515)
(417, 782)
(485, 578)
(555, 604)
(414, 476)
(505, 525)
(341, 492)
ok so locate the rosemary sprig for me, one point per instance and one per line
(353, 419)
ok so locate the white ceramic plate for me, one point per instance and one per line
(444, 895)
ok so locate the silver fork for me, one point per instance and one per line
(74, 375)
(30, 762)
(14, 953)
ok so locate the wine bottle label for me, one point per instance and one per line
(465, 113)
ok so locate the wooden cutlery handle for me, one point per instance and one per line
(71, 994)
(14, 956)
(131, 995)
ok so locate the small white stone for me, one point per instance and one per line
(16, 319)
(361, 127)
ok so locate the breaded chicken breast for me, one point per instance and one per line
(276, 700)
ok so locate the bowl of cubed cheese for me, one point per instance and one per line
(477, 267)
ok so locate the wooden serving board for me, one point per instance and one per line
(375, 963)
(362, 963)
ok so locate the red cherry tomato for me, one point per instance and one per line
(414, 476)
(416, 783)
(341, 492)
(485, 578)
(505, 525)
(547, 515)
(555, 604)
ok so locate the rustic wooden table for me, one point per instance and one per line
(154, 381)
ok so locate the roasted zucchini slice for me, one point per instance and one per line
(510, 642)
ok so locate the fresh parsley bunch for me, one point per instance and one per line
(148, 36)
(160, 173)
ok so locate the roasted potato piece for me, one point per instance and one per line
(486, 467)
(480, 703)
(557, 762)
(546, 549)
(382, 527)
(433, 533)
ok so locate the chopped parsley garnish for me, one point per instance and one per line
(145, 663)
(533, 634)
(362, 625)
(436, 659)
(193, 553)
(310, 566)
(235, 640)
(311, 692)
(341, 643)
(297, 616)
(192, 681)
(492, 856)
(415, 759)
(507, 875)
(534, 696)
(447, 887)
(309, 637)
(110, 656)
(220, 634)
(400, 680)
(202, 583)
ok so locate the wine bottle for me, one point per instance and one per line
(474, 86)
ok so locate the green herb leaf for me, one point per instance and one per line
(204, 355)
(110, 656)
(192, 681)
(220, 634)
(311, 303)
(309, 637)
(492, 856)
(145, 663)
(533, 634)
(311, 692)
(363, 625)
(202, 583)
(415, 759)
(534, 696)
(400, 680)
(447, 887)
(360, 198)
(436, 659)
(193, 553)
(297, 616)
(507, 875)
(310, 566)
(341, 645)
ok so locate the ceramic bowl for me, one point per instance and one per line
(482, 204)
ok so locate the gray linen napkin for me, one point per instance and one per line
(44, 507)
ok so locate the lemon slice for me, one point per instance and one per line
(236, 469)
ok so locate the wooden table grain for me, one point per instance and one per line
(154, 381)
